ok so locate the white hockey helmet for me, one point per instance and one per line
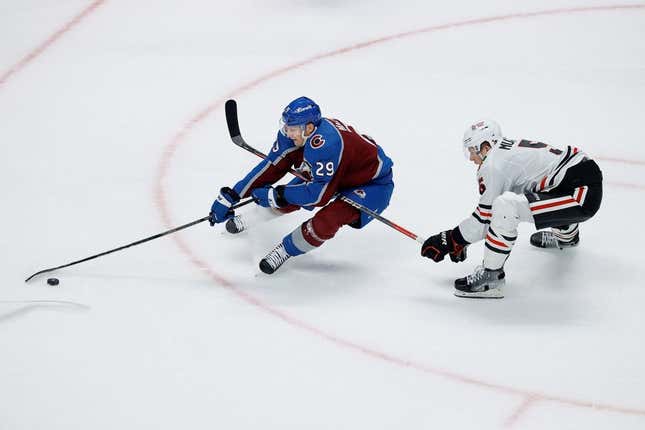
(482, 131)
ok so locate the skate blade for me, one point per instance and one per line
(561, 246)
(493, 293)
(555, 248)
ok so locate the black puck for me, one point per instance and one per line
(52, 281)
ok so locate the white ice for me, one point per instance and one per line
(115, 131)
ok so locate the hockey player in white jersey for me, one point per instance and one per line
(519, 181)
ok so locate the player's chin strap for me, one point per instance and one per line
(302, 134)
(236, 136)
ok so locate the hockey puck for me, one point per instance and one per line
(52, 281)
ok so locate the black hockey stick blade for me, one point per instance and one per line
(138, 242)
(234, 128)
(231, 118)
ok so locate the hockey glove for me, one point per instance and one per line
(269, 197)
(221, 208)
(265, 197)
(459, 256)
(449, 242)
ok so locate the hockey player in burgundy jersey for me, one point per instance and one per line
(519, 181)
(335, 159)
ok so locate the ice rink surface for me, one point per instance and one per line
(112, 129)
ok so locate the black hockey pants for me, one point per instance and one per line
(576, 199)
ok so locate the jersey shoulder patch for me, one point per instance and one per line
(317, 141)
(325, 142)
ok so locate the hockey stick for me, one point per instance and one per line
(234, 130)
(138, 242)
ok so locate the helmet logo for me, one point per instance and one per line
(317, 141)
(302, 109)
(360, 193)
(478, 125)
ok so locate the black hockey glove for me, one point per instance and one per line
(459, 256)
(449, 242)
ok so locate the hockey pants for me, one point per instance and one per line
(576, 199)
(327, 221)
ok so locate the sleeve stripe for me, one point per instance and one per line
(497, 235)
(484, 214)
(483, 221)
(499, 251)
(254, 178)
(283, 155)
(490, 239)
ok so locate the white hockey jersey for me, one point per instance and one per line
(519, 166)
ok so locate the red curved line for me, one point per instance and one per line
(621, 160)
(49, 41)
(626, 185)
(527, 402)
(179, 137)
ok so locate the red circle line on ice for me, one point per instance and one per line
(526, 398)
(53, 38)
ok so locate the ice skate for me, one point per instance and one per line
(274, 259)
(482, 284)
(549, 240)
(236, 224)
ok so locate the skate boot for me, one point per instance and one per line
(274, 259)
(235, 225)
(483, 284)
(550, 240)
